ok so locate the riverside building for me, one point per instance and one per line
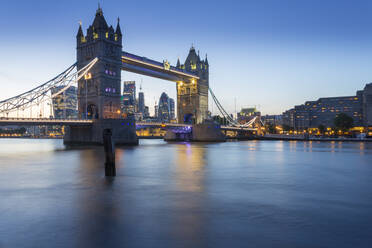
(312, 114)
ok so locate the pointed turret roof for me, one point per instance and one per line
(118, 30)
(192, 57)
(80, 31)
(178, 63)
(206, 59)
(99, 22)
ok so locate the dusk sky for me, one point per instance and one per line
(267, 53)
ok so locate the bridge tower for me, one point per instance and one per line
(192, 97)
(99, 92)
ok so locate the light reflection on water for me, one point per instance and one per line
(261, 193)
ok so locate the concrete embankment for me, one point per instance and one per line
(303, 138)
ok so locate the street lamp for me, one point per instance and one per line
(86, 77)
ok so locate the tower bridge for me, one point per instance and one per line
(100, 59)
(99, 93)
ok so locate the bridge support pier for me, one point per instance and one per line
(208, 131)
(123, 132)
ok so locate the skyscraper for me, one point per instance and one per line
(141, 102)
(164, 110)
(172, 109)
(146, 114)
(156, 110)
(65, 104)
(129, 97)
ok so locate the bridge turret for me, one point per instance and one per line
(192, 97)
(99, 92)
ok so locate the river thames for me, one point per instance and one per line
(232, 194)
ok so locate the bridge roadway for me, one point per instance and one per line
(43, 122)
(172, 125)
(82, 122)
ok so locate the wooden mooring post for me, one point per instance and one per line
(110, 170)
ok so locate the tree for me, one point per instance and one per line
(343, 122)
(321, 129)
(270, 128)
(286, 127)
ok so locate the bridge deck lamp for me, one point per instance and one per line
(88, 76)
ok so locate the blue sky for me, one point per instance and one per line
(267, 53)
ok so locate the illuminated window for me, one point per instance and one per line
(106, 35)
(116, 37)
(95, 36)
(83, 40)
(193, 66)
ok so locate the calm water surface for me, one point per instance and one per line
(233, 194)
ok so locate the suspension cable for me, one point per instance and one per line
(227, 116)
(43, 93)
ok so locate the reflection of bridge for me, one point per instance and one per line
(100, 59)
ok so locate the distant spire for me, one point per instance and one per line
(178, 62)
(206, 59)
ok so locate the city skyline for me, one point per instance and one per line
(273, 53)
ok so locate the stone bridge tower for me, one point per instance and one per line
(99, 92)
(192, 97)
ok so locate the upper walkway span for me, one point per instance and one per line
(149, 67)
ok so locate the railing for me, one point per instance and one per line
(43, 120)
(162, 124)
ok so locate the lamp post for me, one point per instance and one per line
(86, 99)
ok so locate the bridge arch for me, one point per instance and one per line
(92, 111)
